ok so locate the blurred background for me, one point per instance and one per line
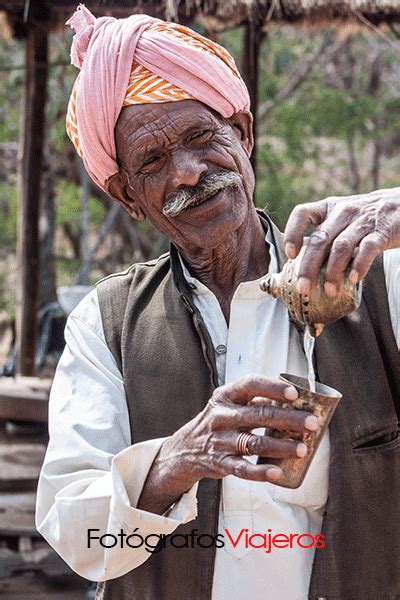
(324, 80)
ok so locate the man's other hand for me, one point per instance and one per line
(368, 222)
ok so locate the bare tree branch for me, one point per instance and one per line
(298, 76)
(353, 163)
(106, 227)
(393, 29)
(375, 29)
(133, 235)
(74, 239)
(374, 85)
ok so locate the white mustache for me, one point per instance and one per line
(207, 187)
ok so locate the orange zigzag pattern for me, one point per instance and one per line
(145, 87)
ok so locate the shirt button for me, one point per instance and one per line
(192, 286)
(221, 349)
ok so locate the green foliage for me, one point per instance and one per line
(280, 185)
(233, 41)
(336, 101)
(8, 218)
(8, 239)
(67, 270)
(69, 206)
(11, 87)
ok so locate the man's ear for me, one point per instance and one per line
(243, 123)
(117, 188)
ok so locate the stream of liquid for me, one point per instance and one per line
(309, 343)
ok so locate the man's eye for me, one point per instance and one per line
(201, 134)
(151, 160)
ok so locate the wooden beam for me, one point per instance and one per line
(16, 405)
(20, 465)
(24, 399)
(17, 514)
(30, 172)
(252, 39)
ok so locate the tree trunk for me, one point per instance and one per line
(84, 273)
(30, 170)
(48, 285)
(377, 155)
(375, 84)
(253, 37)
(355, 178)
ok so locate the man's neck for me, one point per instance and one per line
(243, 256)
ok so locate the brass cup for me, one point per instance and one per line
(321, 403)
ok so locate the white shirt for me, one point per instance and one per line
(92, 476)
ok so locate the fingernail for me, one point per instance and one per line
(274, 473)
(290, 250)
(291, 393)
(312, 423)
(330, 288)
(353, 276)
(303, 285)
(301, 450)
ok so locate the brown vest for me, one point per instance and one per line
(165, 354)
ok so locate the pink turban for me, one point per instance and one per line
(107, 49)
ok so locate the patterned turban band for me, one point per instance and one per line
(140, 60)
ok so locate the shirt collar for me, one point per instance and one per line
(198, 288)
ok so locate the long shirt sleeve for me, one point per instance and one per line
(391, 264)
(92, 476)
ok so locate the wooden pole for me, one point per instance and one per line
(30, 172)
(253, 37)
(84, 273)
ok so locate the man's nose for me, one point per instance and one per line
(186, 169)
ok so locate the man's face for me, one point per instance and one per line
(169, 147)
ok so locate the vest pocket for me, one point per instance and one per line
(368, 517)
(383, 441)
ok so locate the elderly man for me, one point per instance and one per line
(167, 364)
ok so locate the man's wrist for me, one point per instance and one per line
(164, 486)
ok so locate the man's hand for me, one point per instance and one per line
(370, 222)
(206, 446)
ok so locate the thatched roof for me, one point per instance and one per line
(221, 13)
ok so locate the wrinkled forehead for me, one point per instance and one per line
(161, 123)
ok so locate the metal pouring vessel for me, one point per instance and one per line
(316, 309)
